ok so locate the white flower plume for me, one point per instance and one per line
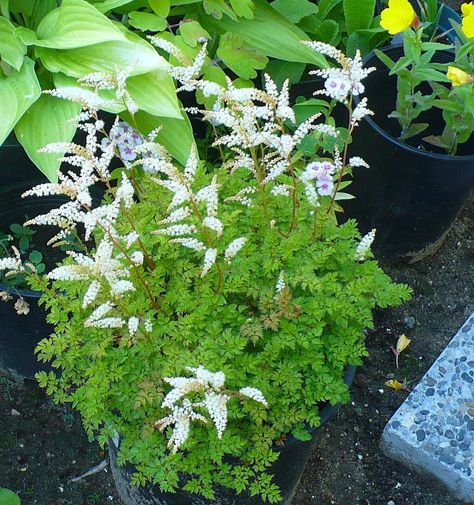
(363, 248)
(211, 386)
(341, 82)
(101, 266)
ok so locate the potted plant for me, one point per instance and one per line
(425, 147)
(52, 44)
(23, 320)
(220, 304)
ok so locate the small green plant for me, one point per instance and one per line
(8, 497)
(21, 237)
(425, 82)
(13, 278)
(96, 499)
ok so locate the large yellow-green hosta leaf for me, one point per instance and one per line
(18, 92)
(108, 5)
(12, 49)
(295, 11)
(44, 122)
(140, 56)
(241, 59)
(76, 23)
(269, 33)
(155, 93)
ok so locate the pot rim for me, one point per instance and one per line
(23, 292)
(398, 142)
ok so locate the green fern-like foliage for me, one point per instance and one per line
(294, 347)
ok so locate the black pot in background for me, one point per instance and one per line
(287, 471)
(19, 334)
(16, 169)
(410, 194)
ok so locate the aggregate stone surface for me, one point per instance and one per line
(433, 430)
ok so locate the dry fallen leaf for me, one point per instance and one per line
(21, 306)
(4, 296)
(397, 385)
(402, 343)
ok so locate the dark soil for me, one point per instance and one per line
(42, 446)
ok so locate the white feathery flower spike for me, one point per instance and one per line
(342, 82)
(133, 324)
(216, 405)
(281, 190)
(214, 224)
(214, 398)
(233, 248)
(190, 243)
(11, 264)
(215, 379)
(360, 111)
(91, 294)
(102, 265)
(97, 319)
(148, 325)
(177, 215)
(137, 258)
(191, 165)
(209, 260)
(177, 229)
(254, 394)
(210, 197)
(280, 285)
(181, 417)
(357, 161)
(364, 245)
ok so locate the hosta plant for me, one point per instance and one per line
(247, 36)
(45, 44)
(219, 304)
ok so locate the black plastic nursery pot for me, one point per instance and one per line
(411, 193)
(16, 169)
(19, 334)
(287, 471)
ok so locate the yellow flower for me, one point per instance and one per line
(458, 77)
(397, 17)
(468, 20)
(467, 9)
(468, 26)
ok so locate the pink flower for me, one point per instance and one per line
(325, 185)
